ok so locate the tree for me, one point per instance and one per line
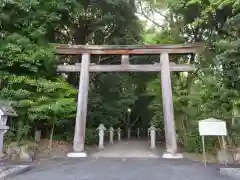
(28, 62)
(211, 91)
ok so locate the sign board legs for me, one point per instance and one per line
(204, 151)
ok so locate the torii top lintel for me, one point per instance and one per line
(66, 49)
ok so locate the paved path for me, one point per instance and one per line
(128, 149)
(124, 169)
(7, 171)
(126, 160)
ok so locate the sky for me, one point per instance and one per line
(156, 17)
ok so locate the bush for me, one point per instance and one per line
(91, 136)
(234, 135)
(193, 142)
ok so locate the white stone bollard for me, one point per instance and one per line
(3, 130)
(101, 128)
(129, 133)
(138, 133)
(38, 135)
(111, 134)
(119, 133)
(152, 130)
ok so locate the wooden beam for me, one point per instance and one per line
(127, 68)
(170, 132)
(128, 49)
(80, 124)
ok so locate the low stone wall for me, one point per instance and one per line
(25, 152)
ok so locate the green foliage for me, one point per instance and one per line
(28, 70)
(42, 98)
(30, 81)
(213, 91)
(46, 100)
(91, 136)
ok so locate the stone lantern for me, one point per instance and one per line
(101, 128)
(5, 111)
(119, 133)
(152, 130)
(111, 131)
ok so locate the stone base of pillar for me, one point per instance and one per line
(77, 154)
(167, 155)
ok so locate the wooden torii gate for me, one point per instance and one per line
(165, 67)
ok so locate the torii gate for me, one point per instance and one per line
(165, 67)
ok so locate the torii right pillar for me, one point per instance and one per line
(169, 124)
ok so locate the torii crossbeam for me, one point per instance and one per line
(165, 67)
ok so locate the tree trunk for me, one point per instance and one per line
(184, 130)
(19, 131)
(51, 137)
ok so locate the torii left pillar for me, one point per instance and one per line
(169, 124)
(80, 123)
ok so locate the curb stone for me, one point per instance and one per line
(231, 172)
(8, 171)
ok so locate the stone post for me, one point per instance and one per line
(119, 133)
(111, 134)
(5, 111)
(129, 133)
(3, 130)
(37, 135)
(3, 119)
(152, 130)
(101, 128)
(138, 133)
